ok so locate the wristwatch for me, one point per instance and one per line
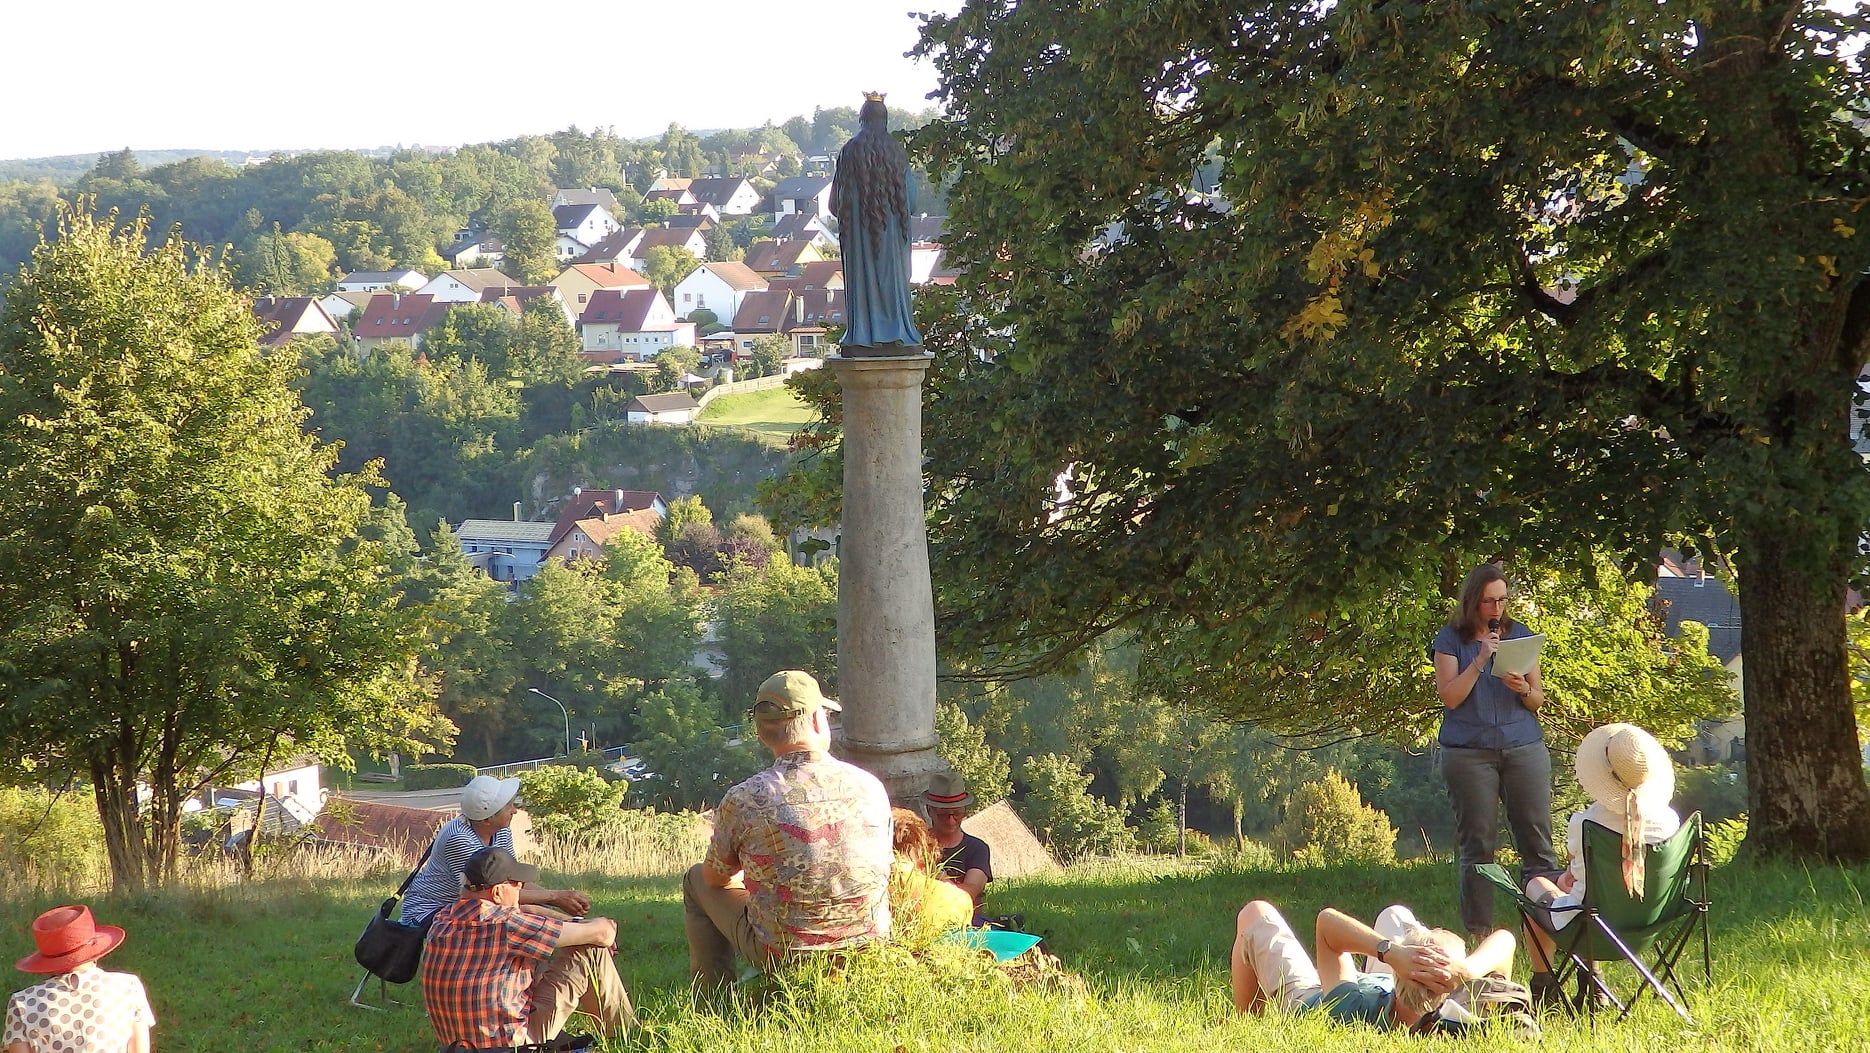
(1383, 948)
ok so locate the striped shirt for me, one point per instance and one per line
(440, 880)
(477, 970)
(811, 834)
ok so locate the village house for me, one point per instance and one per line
(676, 407)
(341, 305)
(717, 286)
(592, 517)
(382, 281)
(466, 286)
(600, 196)
(777, 259)
(396, 316)
(585, 224)
(669, 237)
(576, 283)
(285, 317)
(630, 324)
(619, 247)
(802, 227)
(807, 195)
(513, 301)
(505, 550)
(727, 195)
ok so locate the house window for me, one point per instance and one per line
(687, 297)
(292, 786)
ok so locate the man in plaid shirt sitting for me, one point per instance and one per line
(495, 976)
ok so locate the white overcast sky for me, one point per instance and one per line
(264, 74)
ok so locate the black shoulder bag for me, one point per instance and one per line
(392, 949)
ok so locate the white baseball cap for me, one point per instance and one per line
(484, 795)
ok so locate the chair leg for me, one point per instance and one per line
(1649, 977)
(357, 995)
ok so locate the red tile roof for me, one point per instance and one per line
(389, 316)
(627, 309)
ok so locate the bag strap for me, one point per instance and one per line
(420, 863)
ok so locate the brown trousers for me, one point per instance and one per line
(577, 979)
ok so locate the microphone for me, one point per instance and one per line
(1493, 625)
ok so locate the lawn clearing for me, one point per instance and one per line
(773, 414)
(267, 967)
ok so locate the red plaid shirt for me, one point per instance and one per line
(477, 970)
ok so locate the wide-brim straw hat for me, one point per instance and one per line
(1618, 758)
(68, 937)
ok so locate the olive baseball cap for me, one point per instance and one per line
(790, 693)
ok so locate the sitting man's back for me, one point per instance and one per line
(800, 857)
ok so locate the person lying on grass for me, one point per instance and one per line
(1269, 965)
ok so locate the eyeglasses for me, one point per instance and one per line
(1495, 601)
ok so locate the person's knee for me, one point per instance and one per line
(691, 883)
(1254, 913)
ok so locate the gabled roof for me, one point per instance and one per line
(669, 402)
(718, 191)
(394, 316)
(607, 275)
(570, 217)
(763, 312)
(738, 276)
(666, 238)
(598, 195)
(627, 309)
(822, 274)
(777, 255)
(799, 225)
(669, 182)
(503, 530)
(522, 293)
(600, 504)
(481, 278)
(816, 308)
(374, 277)
(601, 529)
(927, 230)
(281, 316)
(389, 828)
(679, 195)
(617, 245)
(1704, 600)
(800, 186)
(689, 221)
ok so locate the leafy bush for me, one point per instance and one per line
(1328, 823)
(49, 839)
(1062, 811)
(570, 803)
(1724, 838)
(983, 767)
(437, 776)
(1158, 830)
(1247, 857)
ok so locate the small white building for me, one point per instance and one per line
(631, 324)
(719, 286)
(467, 286)
(383, 281)
(676, 407)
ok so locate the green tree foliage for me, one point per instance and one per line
(985, 770)
(685, 743)
(666, 265)
(529, 239)
(1309, 298)
(780, 616)
(570, 803)
(767, 355)
(1062, 811)
(1328, 824)
(186, 591)
(287, 264)
(461, 613)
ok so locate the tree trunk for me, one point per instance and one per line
(1805, 782)
(117, 810)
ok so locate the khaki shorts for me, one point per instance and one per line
(1279, 960)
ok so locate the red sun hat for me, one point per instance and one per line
(68, 937)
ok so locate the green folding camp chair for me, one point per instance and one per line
(1649, 933)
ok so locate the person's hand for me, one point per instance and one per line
(1489, 643)
(1425, 966)
(608, 935)
(1566, 881)
(573, 902)
(1517, 683)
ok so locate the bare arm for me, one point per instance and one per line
(974, 881)
(1530, 690)
(1455, 685)
(575, 904)
(139, 1039)
(1339, 936)
(591, 932)
(1494, 956)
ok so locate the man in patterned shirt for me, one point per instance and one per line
(800, 858)
(495, 976)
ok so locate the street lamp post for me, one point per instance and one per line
(561, 709)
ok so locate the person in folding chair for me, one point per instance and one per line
(1630, 780)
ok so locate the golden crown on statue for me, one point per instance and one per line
(873, 96)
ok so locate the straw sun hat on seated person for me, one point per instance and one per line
(1618, 759)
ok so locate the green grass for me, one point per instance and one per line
(773, 414)
(267, 967)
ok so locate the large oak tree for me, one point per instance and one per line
(1319, 302)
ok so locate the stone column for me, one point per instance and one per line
(886, 609)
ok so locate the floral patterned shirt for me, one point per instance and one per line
(811, 834)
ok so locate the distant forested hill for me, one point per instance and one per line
(292, 225)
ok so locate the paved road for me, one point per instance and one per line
(448, 800)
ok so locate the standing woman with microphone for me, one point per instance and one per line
(1493, 750)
